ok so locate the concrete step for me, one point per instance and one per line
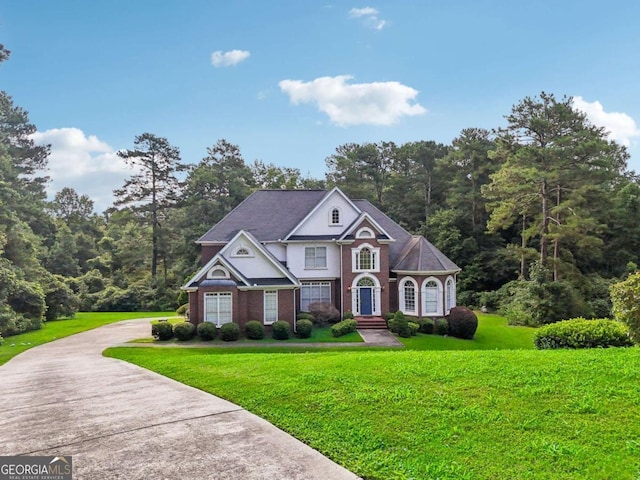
(371, 322)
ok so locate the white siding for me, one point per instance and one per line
(295, 260)
(319, 222)
(277, 250)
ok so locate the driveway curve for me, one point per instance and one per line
(119, 421)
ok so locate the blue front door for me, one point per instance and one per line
(366, 307)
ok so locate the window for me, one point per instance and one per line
(315, 257)
(335, 216)
(218, 272)
(242, 251)
(270, 306)
(311, 292)
(449, 294)
(364, 232)
(365, 259)
(431, 297)
(218, 308)
(408, 296)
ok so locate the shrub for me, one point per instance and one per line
(207, 331)
(413, 328)
(426, 325)
(184, 331)
(304, 328)
(625, 297)
(304, 316)
(324, 313)
(441, 326)
(347, 315)
(342, 328)
(400, 325)
(581, 333)
(254, 330)
(182, 309)
(1, 340)
(162, 330)
(463, 323)
(388, 316)
(230, 332)
(281, 330)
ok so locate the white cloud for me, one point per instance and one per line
(85, 163)
(369, 15)
(621, 127)
(228, 59)
(377, 103)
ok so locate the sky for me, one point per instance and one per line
(289, 81)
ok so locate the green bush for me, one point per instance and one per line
(342, 328)
(413, 328)
(463, 323)
(1, 340)
(347, 315)
(182, 309)
(305, 316)
(581, 333)
(304, 328)
(426, 325)
(388, 316)
(207, 331)
(162, 330)
(441, 326)
(400, 325)
(184, 331)
(254, 330)
(625, 296)
(230, 332)
(324, 313)
(281, 330)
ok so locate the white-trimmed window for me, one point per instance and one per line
(335, 218)
(408, 293)
(366, 258)
(365, 232)
(242, 251)
(218, 272)
(311, 292)
(431, 297)
(218, 308)
(315, 257)
(270, 306)
(449, 294)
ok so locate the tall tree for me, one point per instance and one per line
(155, 188)
(270, 176)
(71, 207)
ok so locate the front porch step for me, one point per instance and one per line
(371, 322)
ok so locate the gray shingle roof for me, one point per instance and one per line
(419, 255)
(268, 214)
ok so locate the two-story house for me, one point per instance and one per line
(280, 250)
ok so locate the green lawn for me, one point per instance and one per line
(63, 328)
(493, 333)
(506, 414)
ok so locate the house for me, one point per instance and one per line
(280, 250)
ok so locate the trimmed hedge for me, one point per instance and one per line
(207, 331)
(304, 316)
(304, 328)
(413, 328)
(162, 330)
(344, 327)
(184, 331)
(426, 325)
(230, 332)
(400, 325)
(254, 330)
(281, 330)
(347, 315)
(441, 326)
(182, 309)
(463, 323)
(582, 333)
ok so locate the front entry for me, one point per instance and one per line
(366, 301)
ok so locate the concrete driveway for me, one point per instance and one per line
(119, 421)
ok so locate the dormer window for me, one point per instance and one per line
(335, 219)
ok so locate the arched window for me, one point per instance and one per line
(242, 251)
(366, 282)
(218, 272)
(335, 216)
(365, 258)
(449, 294)
(364, 232)
(407, 295)
(432, 297)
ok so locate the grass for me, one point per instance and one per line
(493, 333)
(444, 414)
(63, 328)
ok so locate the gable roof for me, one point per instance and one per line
(419, 255)
(269, 215)
(350, 231)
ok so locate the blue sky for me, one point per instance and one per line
(292, 80)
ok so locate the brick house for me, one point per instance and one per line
(280, 250)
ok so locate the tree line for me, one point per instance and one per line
(542, 215)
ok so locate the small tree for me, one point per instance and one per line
(625, 297)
